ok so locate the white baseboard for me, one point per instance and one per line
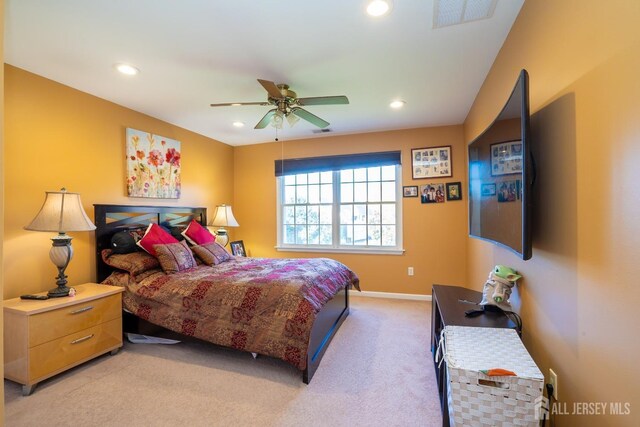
(393, 295)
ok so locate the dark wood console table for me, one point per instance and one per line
(448, 304)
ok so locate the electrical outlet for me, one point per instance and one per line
(410, 271)
(553, 380)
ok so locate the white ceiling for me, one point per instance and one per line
(192, 53)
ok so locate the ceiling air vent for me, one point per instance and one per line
(325, 130)
(454, 12)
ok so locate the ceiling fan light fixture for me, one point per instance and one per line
(378, 8)
(292, 119)
(287, 104)
(277, 119)
(397, 104)
(127, 69)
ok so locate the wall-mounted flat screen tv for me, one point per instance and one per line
(501, 175)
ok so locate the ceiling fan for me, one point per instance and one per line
(288, 105)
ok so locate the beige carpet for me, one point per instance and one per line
(378, 371)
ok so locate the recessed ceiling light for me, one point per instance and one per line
(127, 69)
(397, 104)
(238, 124)
(379, 7)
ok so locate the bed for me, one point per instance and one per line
(285, 308)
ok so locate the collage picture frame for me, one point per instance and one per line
(506, 158)
(431, 162)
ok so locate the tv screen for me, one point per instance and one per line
(501, 176)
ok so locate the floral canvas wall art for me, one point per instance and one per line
(153, 165)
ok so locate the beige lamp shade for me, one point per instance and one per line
(61, 212)
(224, 217)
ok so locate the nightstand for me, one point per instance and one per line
(45, 337)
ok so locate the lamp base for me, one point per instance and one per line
(60, 254)
(60, 291)
(222, 237)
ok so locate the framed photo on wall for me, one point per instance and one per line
(237, 248)
(431, 162)
(454, 191)
(410, 191)
(488, 190)
(508, 191)
(506, 158)
(432, 193)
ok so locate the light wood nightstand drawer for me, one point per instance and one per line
(73, 349)
(45, 337)
(48, 326)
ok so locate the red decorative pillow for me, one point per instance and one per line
(175, 257)
(155, 235)
(196, 234)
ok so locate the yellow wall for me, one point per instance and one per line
(1, 198)
(579, 297)
(57, 136)
(434, 235)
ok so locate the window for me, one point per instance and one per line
(368, 206)
(346, 209)
(307, 209)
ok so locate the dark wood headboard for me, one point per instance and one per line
(110, 219)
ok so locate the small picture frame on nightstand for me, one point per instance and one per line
(237, 248)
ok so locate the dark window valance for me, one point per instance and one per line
(330, 163)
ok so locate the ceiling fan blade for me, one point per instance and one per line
(271, 88)
(266, 119)
(311, 118)
(236, 104)
(323, 100)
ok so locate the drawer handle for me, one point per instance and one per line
(82, 310)
(79, 340)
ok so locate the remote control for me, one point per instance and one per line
(40, 297)
(473, 313)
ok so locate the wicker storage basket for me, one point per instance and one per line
(476, 399)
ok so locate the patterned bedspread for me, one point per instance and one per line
(261, 305)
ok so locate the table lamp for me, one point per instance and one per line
(61, 212)
(223, 218)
